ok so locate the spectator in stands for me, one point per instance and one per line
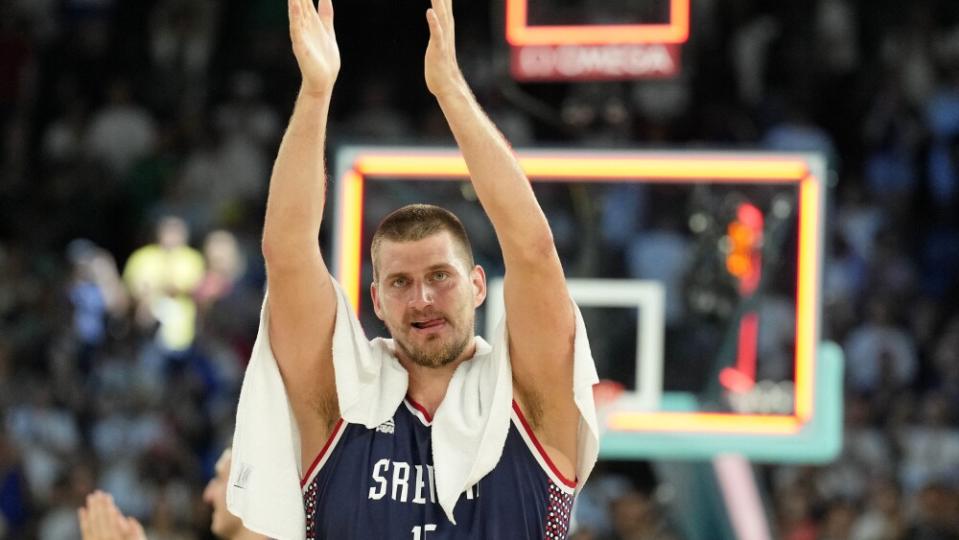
(182, 39)
(880, 355)
(635, 516)
(942, 116)
(46, 433)
(945, 360)
(866, 454)
(17, 69)
(161, 278)
(884, 517)
(121, 132)
(937, 513)
(96, 294)
(14, 490)
(224, 267)
(839, 520)
(930, 448)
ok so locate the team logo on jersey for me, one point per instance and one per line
(387, 427)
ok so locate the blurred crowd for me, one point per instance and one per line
(137, 139)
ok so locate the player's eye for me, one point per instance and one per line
(399, 282)
(440, 276)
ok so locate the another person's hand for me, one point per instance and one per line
(314, 44)
(100, 519)
(443, 74)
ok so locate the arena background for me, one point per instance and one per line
(116, 114)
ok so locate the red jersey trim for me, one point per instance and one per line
(324, 453)
(539, 448)
(422, 410)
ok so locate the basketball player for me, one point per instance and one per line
(378, 483)
(100, 519)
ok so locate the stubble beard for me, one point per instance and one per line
(435, 356)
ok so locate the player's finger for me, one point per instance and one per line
(436, 28)
(437, 6)
(444, 13)
(452, 19)
(297, 10)
(309, 7)
(302, 11)
(296, 17)
(301, 17)
(447, 13)
(325, 9)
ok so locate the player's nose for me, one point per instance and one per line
(422, 296)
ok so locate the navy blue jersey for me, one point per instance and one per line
(379, 483)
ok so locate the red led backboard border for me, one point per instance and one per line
(446, 165)
(520, 34)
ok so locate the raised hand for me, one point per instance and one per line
(100, 519)
(443, 73)
(314, 44)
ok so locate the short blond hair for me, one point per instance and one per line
(416, 222)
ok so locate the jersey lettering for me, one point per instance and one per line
(420, 484)
(418, 532)
(429, 471)
(400, 502)
(397, 484)
(401, 477)
(377, 493)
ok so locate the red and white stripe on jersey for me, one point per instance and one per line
(419, 411)
(324, 454)
(526, 432)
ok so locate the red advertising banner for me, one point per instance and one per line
(595, 62)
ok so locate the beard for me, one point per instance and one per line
(436, 352)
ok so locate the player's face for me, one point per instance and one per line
(224, 524)
(427, 297)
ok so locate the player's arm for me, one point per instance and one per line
(302, 303)
(539, 314)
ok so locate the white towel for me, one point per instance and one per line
(468, 431)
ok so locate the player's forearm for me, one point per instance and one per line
(499, 181)
(297, 193)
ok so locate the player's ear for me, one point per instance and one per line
(478, 279)
(374, 294)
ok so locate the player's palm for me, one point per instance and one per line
(314, 44)
(442, 71)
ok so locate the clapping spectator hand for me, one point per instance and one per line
(100, 519)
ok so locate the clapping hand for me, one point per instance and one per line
(443, 74)
(314, 44)
(100, 519)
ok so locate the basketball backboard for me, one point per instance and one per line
(741, 235)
